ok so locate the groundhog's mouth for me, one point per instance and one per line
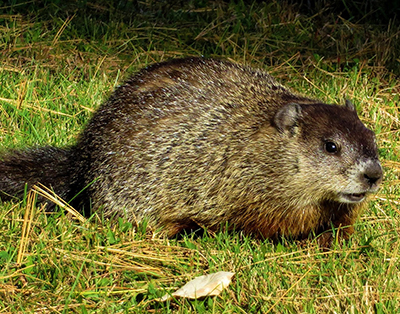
(353, 197)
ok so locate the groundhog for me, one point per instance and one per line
(203, 142)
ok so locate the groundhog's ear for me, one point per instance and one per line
(349, 105)
(285, 119)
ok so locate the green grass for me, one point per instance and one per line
(59, 62)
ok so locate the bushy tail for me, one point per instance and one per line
(47, 165)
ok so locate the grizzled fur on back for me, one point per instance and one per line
(203, 142)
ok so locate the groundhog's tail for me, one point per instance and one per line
(47, 165)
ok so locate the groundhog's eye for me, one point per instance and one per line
(331, 147)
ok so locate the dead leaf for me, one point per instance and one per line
(200, 287)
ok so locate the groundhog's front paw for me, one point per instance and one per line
(325, 240)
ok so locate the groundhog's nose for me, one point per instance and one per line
(373, 174)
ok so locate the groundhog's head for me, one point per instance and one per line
(337, 154)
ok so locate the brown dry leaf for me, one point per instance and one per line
(207, 285)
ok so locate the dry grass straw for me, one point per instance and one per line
(51, 196)
(156, 252)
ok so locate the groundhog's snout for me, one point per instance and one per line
(373, 175)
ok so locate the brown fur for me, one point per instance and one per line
(203, 142)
